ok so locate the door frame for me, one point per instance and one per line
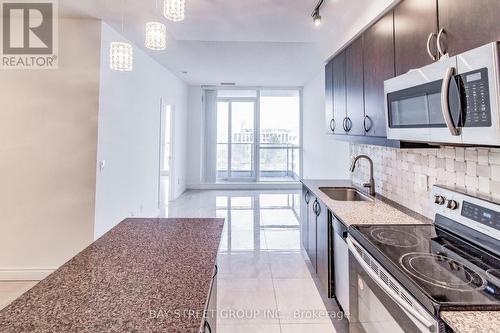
(163, 112)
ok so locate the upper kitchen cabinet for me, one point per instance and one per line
(378, 66)
(339, 94)
(354, 88)
(415, 34)
(468, 24)
(329, 121)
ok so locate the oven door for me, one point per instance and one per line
(414, 105)
(378, 304)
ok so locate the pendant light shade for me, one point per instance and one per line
(174, 10)
(156, 36)
(121, 56)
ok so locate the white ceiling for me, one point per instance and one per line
(249, 42)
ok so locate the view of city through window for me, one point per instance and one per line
(275, 156)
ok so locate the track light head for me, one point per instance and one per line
(317, 19)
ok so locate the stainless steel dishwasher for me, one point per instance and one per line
(341, 260)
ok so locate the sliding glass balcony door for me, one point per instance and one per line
(258, 135)
(279, 142)
(236, 139)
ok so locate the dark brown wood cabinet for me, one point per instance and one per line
(329, 121)
(378, 66)
(354, 87)
(339, 93)
(311, 249)
(415, 24)
(406, 37)
(324, 256)
(468, 24)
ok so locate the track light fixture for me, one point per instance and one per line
(315, 14)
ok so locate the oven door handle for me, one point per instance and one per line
(445, 101)
(430, 325)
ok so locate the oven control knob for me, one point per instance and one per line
(439, 199)
(452, 204)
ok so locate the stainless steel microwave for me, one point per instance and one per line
(453, 101)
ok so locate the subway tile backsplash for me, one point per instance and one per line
(406, 176)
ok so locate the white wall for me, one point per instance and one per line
(48, 140)
(195, 139)
(129, 136)
(323, 157)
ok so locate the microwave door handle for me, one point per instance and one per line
(445, 101)
(430, 325)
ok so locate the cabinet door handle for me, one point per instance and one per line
(344, 126)
(318, 208)
(315, 207)
(429, 52)
(332, 124)
(307, 197)
(207, 328)
(367, 128)
(348, 124)
(442, 52)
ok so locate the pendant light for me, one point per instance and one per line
(156, 36)
(174, 10)
(121, 54)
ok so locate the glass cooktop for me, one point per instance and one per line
(439, 269)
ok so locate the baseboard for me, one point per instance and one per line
(246, 186)
(25, 274)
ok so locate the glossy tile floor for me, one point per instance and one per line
(264, 284)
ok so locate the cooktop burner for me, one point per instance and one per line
(394, 237)
(438, 268)
(447, 272)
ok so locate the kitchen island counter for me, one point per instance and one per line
(144, 275)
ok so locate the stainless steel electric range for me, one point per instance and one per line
(403, 276)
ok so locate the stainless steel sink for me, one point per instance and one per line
(345, 194)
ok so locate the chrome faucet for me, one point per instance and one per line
(371, 183)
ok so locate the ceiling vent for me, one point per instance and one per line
(227, 83)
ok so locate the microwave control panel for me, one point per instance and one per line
(476, 98)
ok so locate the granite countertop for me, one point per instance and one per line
(384, 211)
(131, 279)
(472, 321)
(378, 211)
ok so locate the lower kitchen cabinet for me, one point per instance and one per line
(308, 224)
(304, 217)
(311, 233)
(209, 324)
(317, 239)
